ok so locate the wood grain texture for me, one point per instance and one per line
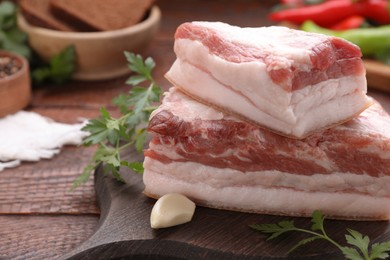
(124, 230)
(41, 236)
(44, 187)
(79, 94)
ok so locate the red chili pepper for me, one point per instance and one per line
(331, 12)
(376, 10)
(325, 14)
(351, 22)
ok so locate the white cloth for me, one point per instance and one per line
(28, 136)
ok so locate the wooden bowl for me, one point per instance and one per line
(99, 54)
(15, 89)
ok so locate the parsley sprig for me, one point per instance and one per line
(113, 135)
(359, 245)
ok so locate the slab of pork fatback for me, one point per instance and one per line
(221, 161)
(289, 81)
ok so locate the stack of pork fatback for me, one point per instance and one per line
(270, 120)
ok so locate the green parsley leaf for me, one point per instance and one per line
(117, 175)
(7, 10)
(112, 135)
(303, 242)
(63, 65)
(97, 128)
(135, 80)
(136, 64)
(379, 250)
(137, 167)
(275, 229)
(140, 140)
(317, 220)
(351, 253)
(7, 43)
(60, 68)
(359, 242)
(11, 38)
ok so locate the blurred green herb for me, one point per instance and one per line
(383, 56)
(11, 38)
(112, 135)
(60, 67)
(359, 245)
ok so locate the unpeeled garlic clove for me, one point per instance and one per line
(171, 210)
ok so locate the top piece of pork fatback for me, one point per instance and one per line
(289, 81)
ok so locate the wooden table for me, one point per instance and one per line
(40, 218)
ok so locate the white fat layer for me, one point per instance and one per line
(249, 88)
(261, 199)
(326, 91)
(219, 178)
(170, 153)
(202, 84)
(250, 78)
(312, 108)
(188, 109)
(211, 91)
(374, 121)
(332, 112)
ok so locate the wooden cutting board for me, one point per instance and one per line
(378, 75)
(124, 231)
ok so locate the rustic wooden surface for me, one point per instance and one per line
(40, 218)
(124, 230)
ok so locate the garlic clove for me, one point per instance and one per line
(171, 210)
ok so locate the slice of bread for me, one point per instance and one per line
(37, 13)
(101, 15)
